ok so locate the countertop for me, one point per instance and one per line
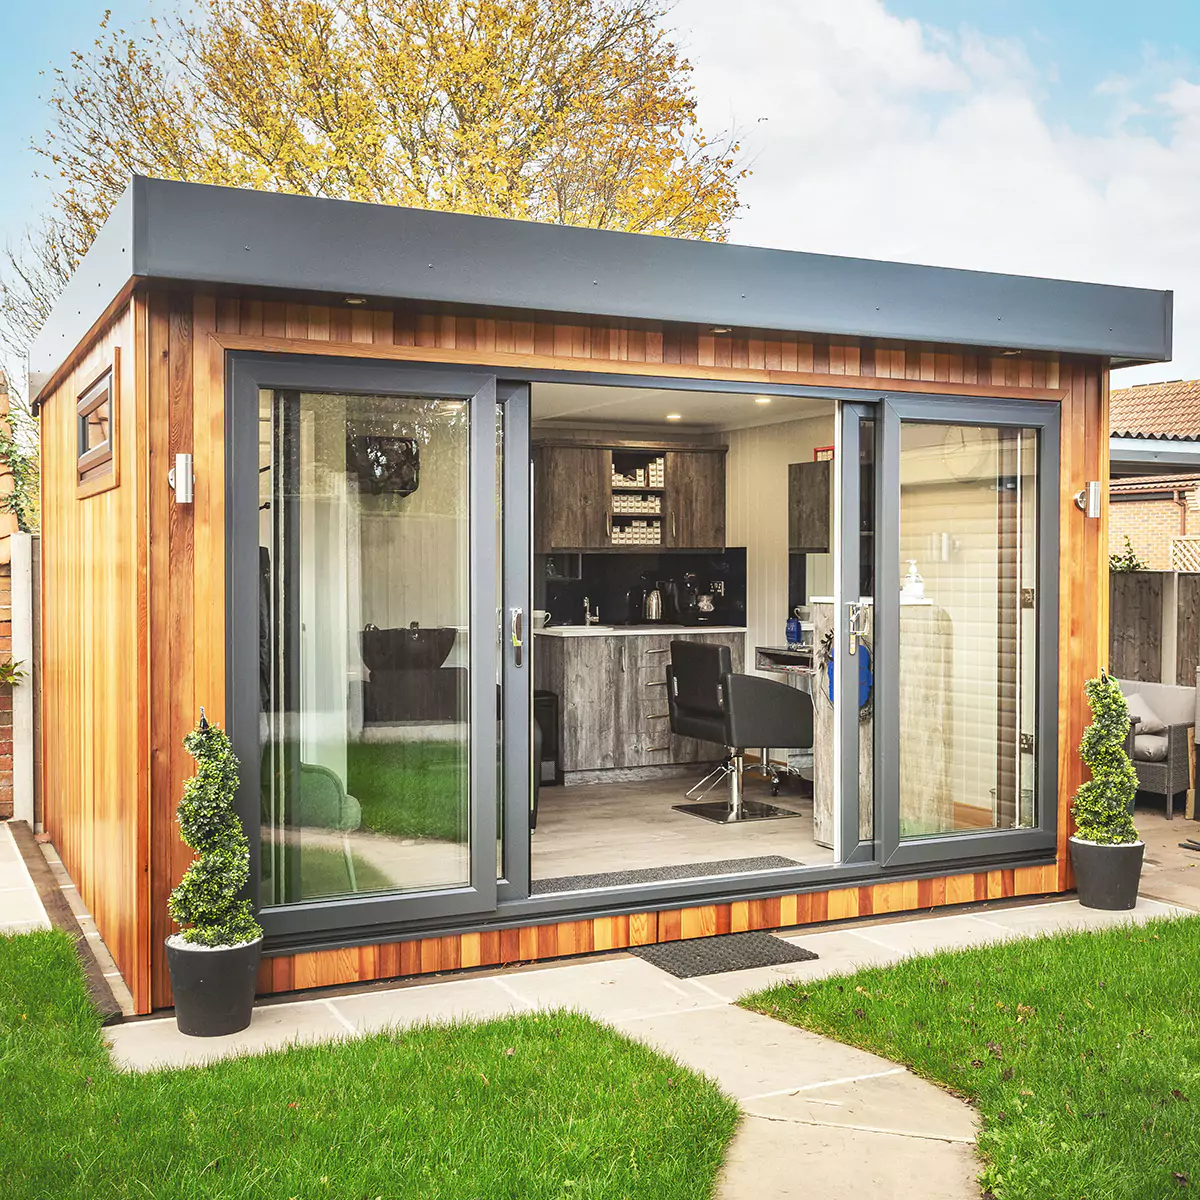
(569, 631)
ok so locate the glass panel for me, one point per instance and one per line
(363, 630)
(504, 649)
(866, 622)
(968, 620)
(95, 427)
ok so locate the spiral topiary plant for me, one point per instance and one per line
(206, 898)
(1102, 805)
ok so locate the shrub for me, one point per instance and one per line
(1128, 561)
(1102, 805)
(206, 898)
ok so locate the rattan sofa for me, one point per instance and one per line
(1165, 762)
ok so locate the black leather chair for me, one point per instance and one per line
(707, 701)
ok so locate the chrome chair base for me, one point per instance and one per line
(736, 809)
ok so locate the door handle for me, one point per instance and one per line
(517, 632)
(857, 625)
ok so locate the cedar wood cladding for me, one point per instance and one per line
(135, 596)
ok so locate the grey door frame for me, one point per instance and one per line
(892, 850)
(248, 373)
(851, 848)
(347, 923)
(516, 750)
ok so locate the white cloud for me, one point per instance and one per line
(889, 139)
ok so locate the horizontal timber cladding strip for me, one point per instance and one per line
(495, 948)
(983, 381)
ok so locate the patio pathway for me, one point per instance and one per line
(821, 1118)
(20, 906)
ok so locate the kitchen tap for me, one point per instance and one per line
(589, 617)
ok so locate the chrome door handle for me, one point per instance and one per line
(517, 632)
(857, 624)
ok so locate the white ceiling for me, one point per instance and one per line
(598, 404)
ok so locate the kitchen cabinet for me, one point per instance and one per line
(808, 507)
(613, 698)
(695, 499)
(572, 498)
(576, 505)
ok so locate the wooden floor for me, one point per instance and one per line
(592, 829)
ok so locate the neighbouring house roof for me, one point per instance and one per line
(1156, 410)
(1143, 484)
(301, 245)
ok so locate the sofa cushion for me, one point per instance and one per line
(1148, 720)
(1150, 747)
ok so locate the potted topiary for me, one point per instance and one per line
(1105, 850)
(214, 960)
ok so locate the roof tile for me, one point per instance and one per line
(1163, 410)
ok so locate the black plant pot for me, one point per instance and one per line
(1107, 876)
(214, 989)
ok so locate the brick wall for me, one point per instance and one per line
(1150, 524)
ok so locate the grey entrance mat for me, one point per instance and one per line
(725, 952)
(726, 866)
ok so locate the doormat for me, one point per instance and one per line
(726, 866)
(725, 952)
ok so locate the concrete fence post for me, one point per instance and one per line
(21, 565)
(1170, 626)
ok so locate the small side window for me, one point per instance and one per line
(95, 421)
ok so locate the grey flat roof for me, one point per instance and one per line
(197, 233)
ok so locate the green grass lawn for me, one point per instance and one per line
(1081, 1051)
(410, 789)
(546, 1105)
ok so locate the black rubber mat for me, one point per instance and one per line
(726, 866)
(726, 952)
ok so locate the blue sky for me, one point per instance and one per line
(1038, 136)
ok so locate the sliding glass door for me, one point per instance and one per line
(965, 629)
(370, 690)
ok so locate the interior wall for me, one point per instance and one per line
(756, 498)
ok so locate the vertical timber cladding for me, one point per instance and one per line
(95, 722)
(188, 337)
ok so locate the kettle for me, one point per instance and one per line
(652, 610)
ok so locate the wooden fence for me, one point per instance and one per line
(1154, 626)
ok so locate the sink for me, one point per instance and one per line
(406, 649)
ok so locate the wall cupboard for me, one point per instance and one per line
(624, 497)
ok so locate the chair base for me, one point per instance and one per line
(722, 812)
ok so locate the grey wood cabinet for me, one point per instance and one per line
(808, 507)
(695, 499)
(613, 698)
(572, 504)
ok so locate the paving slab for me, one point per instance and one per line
(469, 999)
(891, 1100)
(749, 1054)
(611, 989)
(146, 1045)
(21, 909)
(787, 1160)
(1059, 916)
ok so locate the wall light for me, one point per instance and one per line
(721, 329)
(356, 300)
(762, 399)
(674, 416)
(1087, 499)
